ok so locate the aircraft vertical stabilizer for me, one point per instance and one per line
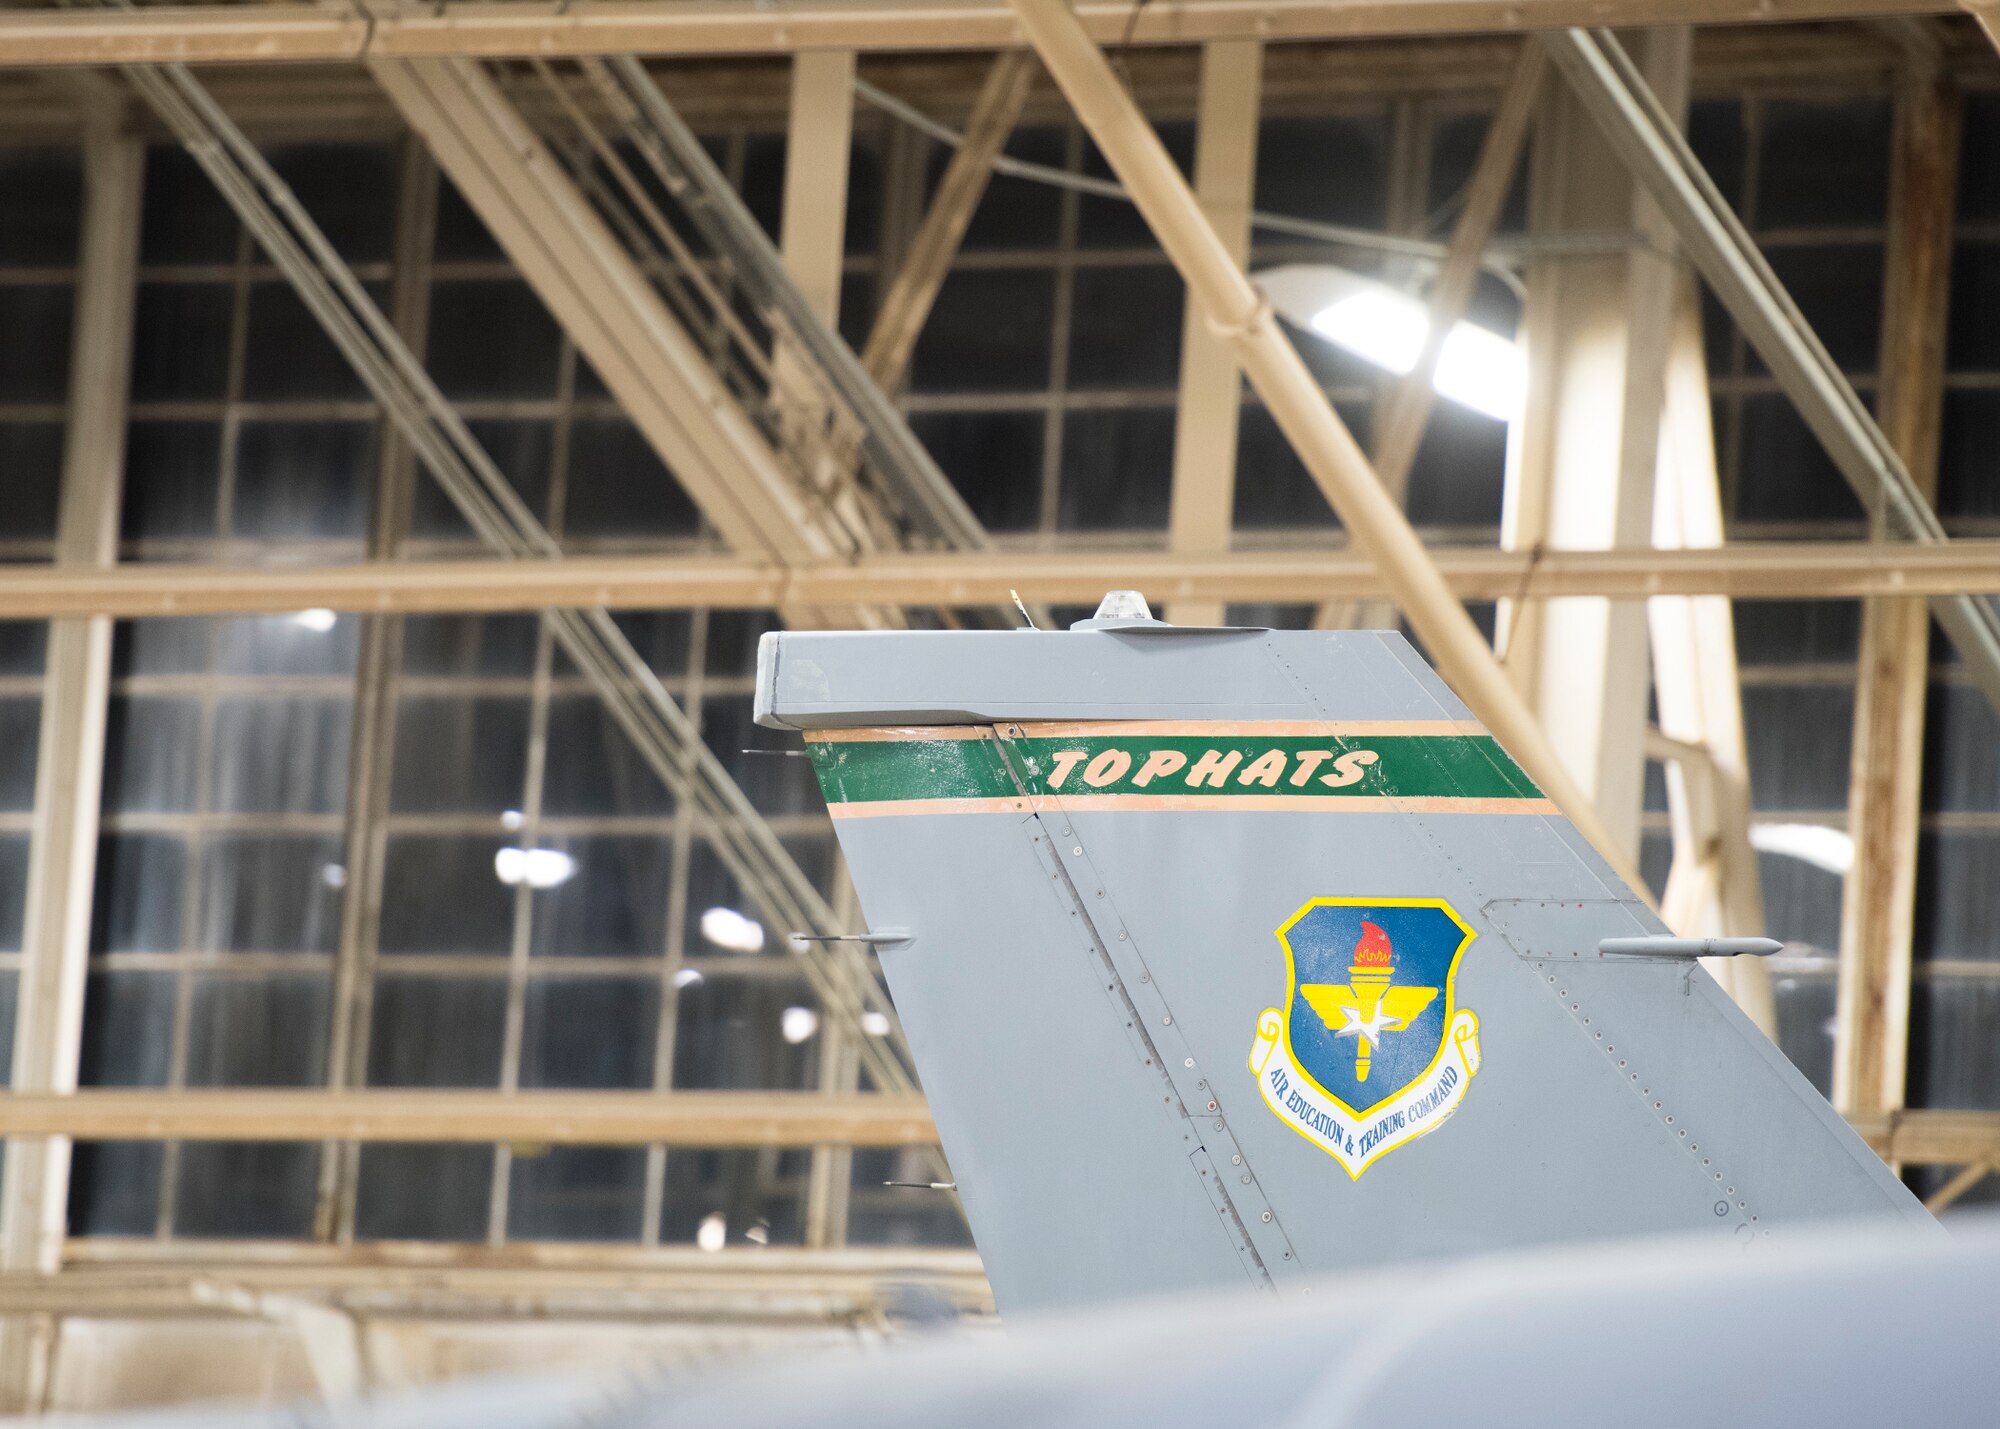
(1249, 955)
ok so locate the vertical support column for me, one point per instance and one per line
(1713, 888)
(1580, 475)
(62, 864)
(812, 241)
(1872, 1015)
(1202, 511)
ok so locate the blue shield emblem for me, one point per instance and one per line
(1371, 1049)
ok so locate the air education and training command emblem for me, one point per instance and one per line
(1371, 1050)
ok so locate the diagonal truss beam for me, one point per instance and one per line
(630, 689)
(1618, 98)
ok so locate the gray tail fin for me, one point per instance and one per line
(1242, 954)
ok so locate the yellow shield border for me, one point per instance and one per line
(1450, 987)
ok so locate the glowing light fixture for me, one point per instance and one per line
(732, 931)
(875, 1024)
(1387, 327)
(536, 867)
(712, 1232)
(798, 1023)
(688, 977)
(1816, 844)
(318, 620)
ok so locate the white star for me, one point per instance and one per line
(1372, 1027)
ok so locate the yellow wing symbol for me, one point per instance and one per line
(1398, 1004)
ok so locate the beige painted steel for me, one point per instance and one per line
(652, 366)
(819, 136)
(1239, 315)
(62, 860)
(907, 304)
(1201, 507)
(707, 1119)
(252, 34)
(1884, 811)
(1403, 414)
(1931, 1138)
(1792, 570)
(1713, 887)
(1580, 470)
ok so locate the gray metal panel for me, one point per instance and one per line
(1071, 1169)
(826, 680)
(1611, 1097)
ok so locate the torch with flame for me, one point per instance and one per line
(1371, 1003)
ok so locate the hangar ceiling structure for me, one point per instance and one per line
(795, 432)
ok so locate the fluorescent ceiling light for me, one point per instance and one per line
(1387, 327)
(536, 867)
(875, 1024)
(1816, 844)
(798, 1023)
(712, 1232)
(732, 931)
(318, 620)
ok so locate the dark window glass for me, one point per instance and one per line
(589, 1033)
(1966, 452)
(141, 881)
(437, 1032)
(577, 1193)
(1715, 133)
(1954, 1056)
(39, 221)
(161, 645)
(748, 1187)
(422, 1192)
(263, 1031)
(1460, 469)
(1335, 169)
(184, 219)
(1801, 901)
(180, 341)
(350, 191)
(297, 480)
(492, 339)
(1961, 749)
(1823, 162)
(1979, 160)
(618, 486)
(20, 720)
(1973, 326)
(1786, 632)
(522, 451)
(150, 754)
(763, 183)
(660, 637)
(775, 779)
(1117, 469)
(255, 1190)
(1839, 289)
(728, 1035)
(1957, 871)
(989, 332)
(864, 193)
(459, 755)
(1125, 329)
(34, 360)
(114, 1188)
(283, 645)
(287, 353)
(21, 646)
(1787, 772)
(488, 645)
(993, 458)
(270, 893)
(31, 456)
(128, 1029)
(13, 890)
(591, 766)
(732, 640)
(1273, 488)
(462, 236)
(172, 473)
(1014, 212)
(614, 905)
(440, 895)
(1785, 473)
(280, 756)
